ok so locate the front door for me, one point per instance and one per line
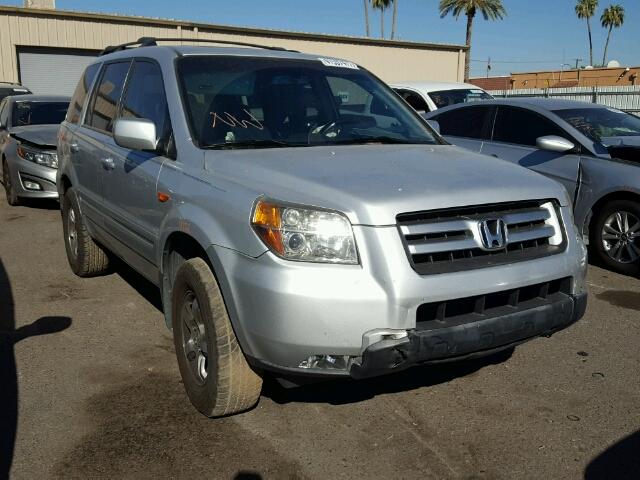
(514, 139)
(135, 173)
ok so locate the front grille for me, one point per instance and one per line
(450, 240)
(449, 313)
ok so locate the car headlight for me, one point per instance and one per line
(48, 159)
(305, 234)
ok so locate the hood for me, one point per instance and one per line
(372, 184)
(40, 135)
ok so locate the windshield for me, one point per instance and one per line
(38, 113)
(596, 123)
(444, 98)
(246, 102)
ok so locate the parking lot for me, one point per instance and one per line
(100, 393)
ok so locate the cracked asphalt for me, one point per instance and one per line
(91, 389)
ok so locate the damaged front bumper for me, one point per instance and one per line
(468, 339)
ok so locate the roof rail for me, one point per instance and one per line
(153, 41)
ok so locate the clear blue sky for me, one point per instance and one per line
(535, 35)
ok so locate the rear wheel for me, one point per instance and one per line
(215, 373)
(615, 236)
(9, 190)
(86, 257)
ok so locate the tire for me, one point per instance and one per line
(215, 373)
(12, 197)
(86, 257)
(605, 241)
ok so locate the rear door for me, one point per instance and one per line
(467, 127)
(86, 182)
(514, 139)
(96, 147)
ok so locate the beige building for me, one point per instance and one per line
(46, 49)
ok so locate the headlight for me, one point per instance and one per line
(48, 159)
(304, 233)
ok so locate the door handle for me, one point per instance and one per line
(108, 163)
(74, 148)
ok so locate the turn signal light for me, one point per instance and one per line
(267, 222)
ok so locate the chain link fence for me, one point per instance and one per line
(625, 98)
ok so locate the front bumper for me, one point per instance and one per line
(469, 340)
(24, 171)
(285, 312)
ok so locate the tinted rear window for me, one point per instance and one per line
(80, 95)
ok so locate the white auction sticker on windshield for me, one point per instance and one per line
(332, 62)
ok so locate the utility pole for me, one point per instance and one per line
(488, 66)
(578, 60)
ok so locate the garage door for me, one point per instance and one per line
(52, 71)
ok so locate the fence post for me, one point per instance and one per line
(594, 95)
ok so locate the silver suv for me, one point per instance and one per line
(300, 219)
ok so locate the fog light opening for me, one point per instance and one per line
(29, 185)
(326, 362)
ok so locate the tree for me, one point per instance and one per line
(366, 17)
(381, 5)
(394, 24)
(586, 9)
(490, 10)
(612, 17)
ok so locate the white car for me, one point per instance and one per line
(429, 96)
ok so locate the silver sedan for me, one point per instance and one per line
(28, 138)
(593, 150)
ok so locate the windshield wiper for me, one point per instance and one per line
(247, 144)
(378, 139)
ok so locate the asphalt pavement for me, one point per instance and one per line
(89, 388)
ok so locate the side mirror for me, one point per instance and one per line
(135, 134)
(553, 143)
(435, 125)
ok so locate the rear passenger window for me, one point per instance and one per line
(80, 95)
(413, 99)
(522, 127)
(106, 97)
(468, 122)
(145, 96)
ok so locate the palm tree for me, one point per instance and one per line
(612, 17)
(490, 10)
(381, 5)
(366, 17)
(586, 9)
(394, 24)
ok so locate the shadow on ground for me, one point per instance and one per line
(144, 287)
(9, 336)
(620, 461)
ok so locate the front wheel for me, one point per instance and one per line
(215, 373)
(615, 236)
(9, 190)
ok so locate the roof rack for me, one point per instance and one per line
(153, 41)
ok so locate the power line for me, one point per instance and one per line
(518, 61)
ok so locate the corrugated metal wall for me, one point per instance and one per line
(624, 98)
(391, 61)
